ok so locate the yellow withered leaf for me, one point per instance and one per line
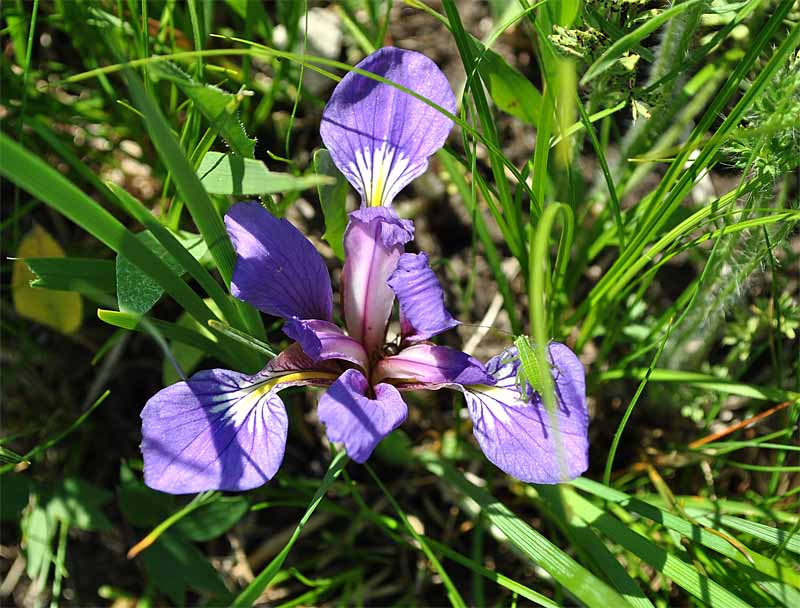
(61, 310)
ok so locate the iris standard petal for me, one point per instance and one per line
(353, 418)
(379, 136)
(322, 340)
(514, 430)
(373, 242)
(220, 430)
(421, 298)
(277, 269)
(429, 366)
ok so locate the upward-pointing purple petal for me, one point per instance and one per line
(277, 269)
(373, 242)
(422, 311)
(379, 136)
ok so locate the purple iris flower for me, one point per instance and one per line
(226, 430)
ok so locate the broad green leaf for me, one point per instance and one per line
(213, 518)
(84, 275)
(509, 89)
(176, 244)
(188, 357)
(141, 506)
(60, 310)
(174, 564)
(231, 174)
(44, 182)
(137, 292)
(194, 244)
(631, 39)
(37, 534)
(218, 106)
(79, 504)
(333, 199)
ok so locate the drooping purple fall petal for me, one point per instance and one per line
(515, 431)
(218, 431)
(373, 242)
(351, 417)
(221, 430)
(421, 298)
(322, 340)
(423, 366)
(380, 137)
(277, 269)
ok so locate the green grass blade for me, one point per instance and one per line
(194, 195)
(452, 592)
(254, 590)
(46, 445)
(779, 576)
(173, 331)
(84, 275)
(243, 338)
(683, 574)
(578, 581)
(705, 381)
(773, 536)
(32, 174)
(138, 211)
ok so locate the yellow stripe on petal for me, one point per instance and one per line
(380, 170)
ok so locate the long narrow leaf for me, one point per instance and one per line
(254, 590)
(578, 581)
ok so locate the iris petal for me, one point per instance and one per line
(277, 269)
(514, 430)
(373, 242)
(220, 430)
(427, 366)
(380, 137)
(322, 340)
(422, 310)
(353, 418)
